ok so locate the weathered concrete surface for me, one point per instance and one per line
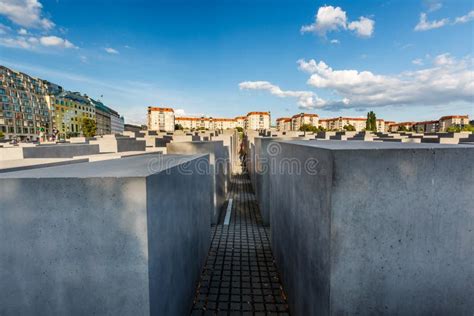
(263, 166)
(115, 144)
(108, 156)
(375, 228)
(217, 168)
(103, 238)
(33, 163)
(60, 151)
(229, 142)
(11, 153)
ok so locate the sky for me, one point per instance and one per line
(405, 60)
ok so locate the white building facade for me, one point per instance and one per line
(161, 119)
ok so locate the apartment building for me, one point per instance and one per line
(24, 111)
(240, 121)
(301, 119)
(446, 121)
(160, 119)
(116, 122)
(205, 123)
(388, 125)
(338, 123)
(31, 108)
(70, 109)
(257, 120)
(224, 123)
(380, 125)
(395, 127)
(103, 118)
(426, 127)
(280, 123)
(433, 126)
(187, 122)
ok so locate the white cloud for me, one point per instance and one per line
(329, 19)
(444, 59)
(433, 5)
(179, 112)
(418, 62)
(26, 13)
(18, 42)
(32, 42)
(448, 80)
(363, 28)
(22, 31)
(465, 18)
(55, 41)
(111, 50)
(335, 41)
(425, 25)
(306, 99)
(4, 29)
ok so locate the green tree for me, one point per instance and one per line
(1, 135)
(468, 128)
(349, 128)
(89, 127)
(402, 128)
(371, 123)
(178, 127)
(308, 128)
(239, 129)
(459, 128)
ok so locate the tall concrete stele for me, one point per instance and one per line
(370, 227)
(113, 237)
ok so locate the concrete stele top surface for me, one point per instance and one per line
(363, 145)
(138, 166)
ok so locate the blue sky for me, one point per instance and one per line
(226, 58)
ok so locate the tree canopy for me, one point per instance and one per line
(89, 127)
(371, 123)
(458, 128)
(349, 128)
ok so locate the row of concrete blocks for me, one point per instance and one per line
(107, 238)
(402, 137)
(127, 236)
(112, 144)
(369, 228)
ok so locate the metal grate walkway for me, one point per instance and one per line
(240, 277)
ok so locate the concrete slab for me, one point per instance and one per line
(32, 163)
(217, 168)
(115, 144)
(104, 238)
(262, 167)
(374, 228)
(48, 151)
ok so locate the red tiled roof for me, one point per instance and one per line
(453, 116)
(305, 114)
(153, 108)
(258, 113)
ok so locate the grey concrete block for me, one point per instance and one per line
(217, 169)
(60, 151)
(263, 166)
(374, 228)
(115, 144)
(33, 163)
(103, 238)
